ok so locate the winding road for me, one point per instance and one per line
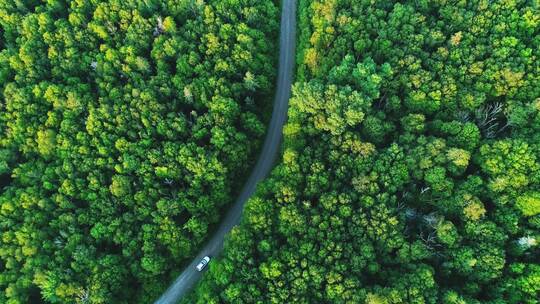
(287, 40)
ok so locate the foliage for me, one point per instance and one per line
(123, 126)
(410, 171)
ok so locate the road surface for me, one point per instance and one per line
(269, 152)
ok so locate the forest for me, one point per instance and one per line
(125, 128)
(410, 171)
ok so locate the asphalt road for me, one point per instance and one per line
(287, 40)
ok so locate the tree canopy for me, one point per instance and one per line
(125, 127)
(410, 170)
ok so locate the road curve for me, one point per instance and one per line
(287, 41)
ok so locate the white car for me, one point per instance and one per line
(202, 264)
